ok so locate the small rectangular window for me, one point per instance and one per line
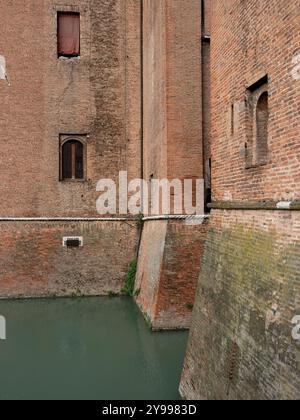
(73, 242)
(68, 34)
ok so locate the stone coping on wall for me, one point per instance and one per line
(104, 219)
(176, 217)
(67, 219)
(256, 205)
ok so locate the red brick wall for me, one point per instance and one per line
(151, 255)
(241, 344)
(172, 89)
(155, 112)
(170, 253)
(99, 95)
(184, 89)
(34, 262)
(251, 39)
(168, 269)
(208, 7)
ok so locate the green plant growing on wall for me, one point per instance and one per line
(128, 289)
(140, 221)
(112, 294)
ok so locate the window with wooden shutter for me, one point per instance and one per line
(68, 34)
(67, 161)
(72, 160)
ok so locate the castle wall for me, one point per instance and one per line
(34, 262)
(241, 344)
(170, 252)
(169, 264)
(250, 40)
(97, 96)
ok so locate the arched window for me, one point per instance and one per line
(262, 122)
(72, 162)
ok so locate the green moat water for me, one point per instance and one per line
(92, 348)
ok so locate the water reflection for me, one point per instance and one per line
(93, 348)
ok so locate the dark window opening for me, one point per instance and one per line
(232, 119)
(208, 193)
(262, 117)
(257, 124)
(73, 243)
(68, 34)
(72, 160)
(257, 85)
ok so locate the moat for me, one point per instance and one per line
(86, 348)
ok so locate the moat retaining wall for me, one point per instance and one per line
(241, 344)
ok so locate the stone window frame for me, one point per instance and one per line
(63, 139)
(253, 95)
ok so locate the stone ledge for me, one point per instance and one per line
(256, 205)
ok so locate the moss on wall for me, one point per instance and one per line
(241, 342)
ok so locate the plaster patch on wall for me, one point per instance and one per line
(284, 205)
(296, 69)
(2, 67)
(3, 74)
(227, 196)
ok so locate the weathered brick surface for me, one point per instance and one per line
(172, 88)
(241, 344)
(168, 269)
(170, 251)
(98, 95)
(34, 263)
(249, 40)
